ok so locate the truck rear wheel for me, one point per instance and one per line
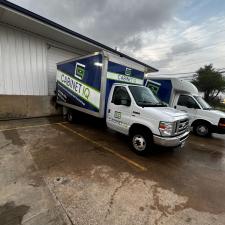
(69, 116)
(140, 142)
(202, 129)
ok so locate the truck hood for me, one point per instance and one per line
(169, 114)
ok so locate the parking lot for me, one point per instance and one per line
(53, 172)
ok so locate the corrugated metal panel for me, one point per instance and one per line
(56, 55)
(23, 63)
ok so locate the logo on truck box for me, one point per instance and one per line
(79, 71)
(128, 71)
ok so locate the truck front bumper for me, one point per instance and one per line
(171, 141)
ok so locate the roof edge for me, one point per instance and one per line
(71, 32)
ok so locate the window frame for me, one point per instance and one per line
(114, 93)
(190, 97)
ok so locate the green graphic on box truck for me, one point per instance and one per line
(79, 71)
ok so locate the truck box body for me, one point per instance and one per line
(166, 88)
(84, 83)
(111, 87)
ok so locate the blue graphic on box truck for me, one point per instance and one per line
(79, 82)
(161, 88)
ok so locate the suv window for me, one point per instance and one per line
(187, 101)
(120, 95)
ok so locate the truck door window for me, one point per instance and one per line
(121, 96)
(187, 101)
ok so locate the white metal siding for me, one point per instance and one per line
(22, 63)
(56, 55)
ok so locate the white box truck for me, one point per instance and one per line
(111, 87)
(184, 96)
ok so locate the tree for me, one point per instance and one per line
(208, 80)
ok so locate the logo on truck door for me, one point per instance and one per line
(79, 71)
(117, 115)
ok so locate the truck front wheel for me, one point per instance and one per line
(140, 142)
(202, 129)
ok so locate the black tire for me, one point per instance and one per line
(69, 116)
(202, 129)
(141, 141)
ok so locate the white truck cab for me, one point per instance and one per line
(134, 110)
(184, 96)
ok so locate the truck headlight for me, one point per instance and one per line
(166, 128)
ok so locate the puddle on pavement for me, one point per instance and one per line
(12, 214)
(14, 137)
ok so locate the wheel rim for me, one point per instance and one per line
(202, 130)
(139, 142)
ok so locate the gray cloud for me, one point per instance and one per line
(183, 47)
(115, 23)
(176, 50)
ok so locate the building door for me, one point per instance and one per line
(56, 55)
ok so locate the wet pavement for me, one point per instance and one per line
(58, 173)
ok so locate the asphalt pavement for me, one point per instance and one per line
(53, 172)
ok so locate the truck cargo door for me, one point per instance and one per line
(119, 110)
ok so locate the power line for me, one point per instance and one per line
(175, 73)
(193, 72)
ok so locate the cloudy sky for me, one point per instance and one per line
(175, 36)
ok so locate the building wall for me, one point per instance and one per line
(28, 73)
(25, 106)
(22, 63)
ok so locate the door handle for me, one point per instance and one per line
(137, 113)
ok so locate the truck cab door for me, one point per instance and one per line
(119, 110)
(188, 104)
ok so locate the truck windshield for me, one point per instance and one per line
(144, 97)
(203, 103)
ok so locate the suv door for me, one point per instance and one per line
(188, 104)
(119, 110)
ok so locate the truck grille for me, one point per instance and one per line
(181, 126)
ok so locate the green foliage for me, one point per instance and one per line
(209, 81)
